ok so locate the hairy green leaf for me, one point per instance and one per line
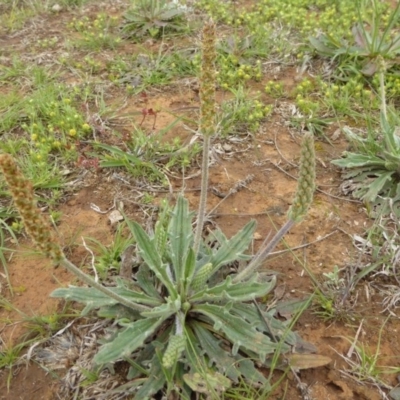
(238, 331)
(230, 250)
(127, 340)
(180, 237)
(352, 160)
(165, 310)
(95, 299)
(242, 291)
(150, 255)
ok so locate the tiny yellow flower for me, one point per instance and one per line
(72, 132)
(34, 137)
(86, 127)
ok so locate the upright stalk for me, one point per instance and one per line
(207, 118)
(91, 282)
(266, 248)
(203, 193)
(381, 75)
(298, 210)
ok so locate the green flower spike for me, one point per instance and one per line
(306, 180)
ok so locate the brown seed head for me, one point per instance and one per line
(34, 221)
(207, 80)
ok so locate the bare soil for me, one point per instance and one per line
(265, 198)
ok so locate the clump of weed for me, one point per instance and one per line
(96, 34)
(243, 113)
(53, 124)
(154, 18)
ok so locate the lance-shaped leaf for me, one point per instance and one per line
(146, 280)
(239, 332)
(224, 361)
(208, 382)
(352, 160)
(232, 366)
(165, 310)
(154, 382)
(93, 298)
(377, 185)
(150, 255)
(118, 312)
(307, 361)
(189, 269)
(242, 291)
(280, 330)
(252, 374)
(128, 340)
(232, 249)
(180, 237)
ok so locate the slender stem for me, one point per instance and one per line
(203, 193)
(383, 92)
(90, 281)
(263, 253)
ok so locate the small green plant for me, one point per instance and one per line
(148, 68)
(154, 17)
(96, 34)
(372, 169)
(43, 326)
(274, 89)
(367, 366)
(243, 113)
(333, 279)
(351, 98)
(13, 15)
(368, 47)
(330, 296)
(109, 257)
(50, 121)
(48, 42)
(10, 357)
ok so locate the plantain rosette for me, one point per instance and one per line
(202, 330)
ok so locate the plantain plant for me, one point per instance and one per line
(369, 47)
(184, 321)
(154, 17)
